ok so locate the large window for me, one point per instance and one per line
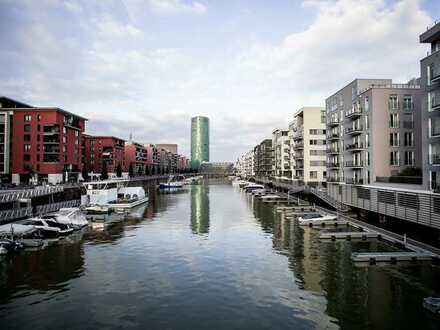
(394, 158)
(407, 103)
(27, 147)
(409, 158)
(27, 128)
(393, 102)
(394, 139)
(408, 139)
(27, 117)
(394, 120)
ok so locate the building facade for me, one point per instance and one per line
(281, 154)
(39, 144)
(263, 159)
(199, 141)
(373, 132)
(307, 133)
(171, 147)
(430, 84)
(103, 149)
(136, 156)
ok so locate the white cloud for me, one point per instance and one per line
(177, 6)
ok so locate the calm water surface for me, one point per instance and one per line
(210, 258)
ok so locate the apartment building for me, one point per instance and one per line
(39, 144)
(171, 147)
(244, 166)
(430, 84)
(103, 149)
(136, 155)
(307, 134)
(263, 158)
(281, 154)
(373, 130)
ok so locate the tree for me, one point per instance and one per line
(130, 170)
(85, 173)
(119, 171)
(104, 171)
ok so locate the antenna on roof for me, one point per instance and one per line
(131, 137)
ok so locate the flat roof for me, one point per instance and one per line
(431, 34)
(103, 137)
(46, 109)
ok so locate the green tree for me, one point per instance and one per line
(104, 171)
(119, 171)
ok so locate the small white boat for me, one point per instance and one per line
(172, 183)
(97, 209)
(49, 227)
(71, 216)
(270, 197)
(252, 186)
(317, 217)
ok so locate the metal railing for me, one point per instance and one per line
(46, 208)
(13, 195)
(8, 215)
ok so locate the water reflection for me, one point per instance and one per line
(200, 209)
(357, 298)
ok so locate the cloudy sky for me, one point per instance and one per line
(146, 66)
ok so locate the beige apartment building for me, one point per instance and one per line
(281, 154)
(374, 135)
(307, 133)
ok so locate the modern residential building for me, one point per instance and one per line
(224, 168)
(39, 144)
(244, 166)
(430, 84)
(281, 149)
(263, 159)
(199, 141)
(373, 130)
(171, 147)
(307, 134)
(103, 149)
(136, 155)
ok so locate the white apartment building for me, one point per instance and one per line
(245, 165)
(307, 133)
(281, 149)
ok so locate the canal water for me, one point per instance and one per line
(210, 258)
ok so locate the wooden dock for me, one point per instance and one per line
(356, 235)
(390, 257)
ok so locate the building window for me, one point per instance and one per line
(38, 117)
(27, 147)
(38, 157)
(76, 133)
(64, 139)
(27, 128)
(394, 158)
(64, 130)
(408, 139)
(323, 115)
(27, 117)
(38, 127)
(367, 104)
(38, 137)
(394, 139)
(26, 157)
(407, 103)
(393, 102)
(409, 158)
(313, 174)
(27, 137)
(394, 120)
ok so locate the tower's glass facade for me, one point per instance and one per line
(199, 141)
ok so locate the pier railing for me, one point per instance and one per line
(8, 215)
(47, 208)
(13, 195)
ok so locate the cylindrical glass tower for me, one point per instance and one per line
(199, 141)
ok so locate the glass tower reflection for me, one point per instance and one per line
(200, 209)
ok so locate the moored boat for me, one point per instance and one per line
(71, 216)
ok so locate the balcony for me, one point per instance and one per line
(333, 136)
(435, 77)
(333, 165)
(354, 147)
(354, 181)
(435, 131)
(299, 145)
(333, 122)
(333, 150)
(353, 164)
(435, 159)
(332, 179)
(298, 134)
(354, 130)
(435, 104)
(354, 113)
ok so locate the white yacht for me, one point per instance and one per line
(50, 228)
(317, 217)
(72, 216)
(172, 183)
(115, 194)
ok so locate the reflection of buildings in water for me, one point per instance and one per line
(47, 269)
(200, 209)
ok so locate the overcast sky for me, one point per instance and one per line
(146, 66)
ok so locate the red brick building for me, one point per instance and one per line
(100, 149)
(136, 154)
(39, 143)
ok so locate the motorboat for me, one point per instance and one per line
(317, 217)
(50, 228)
(8, 245)
(107, 195)
(29, 236)
(172, 183)
(193, 180)
(252, 186)
(72, 216)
